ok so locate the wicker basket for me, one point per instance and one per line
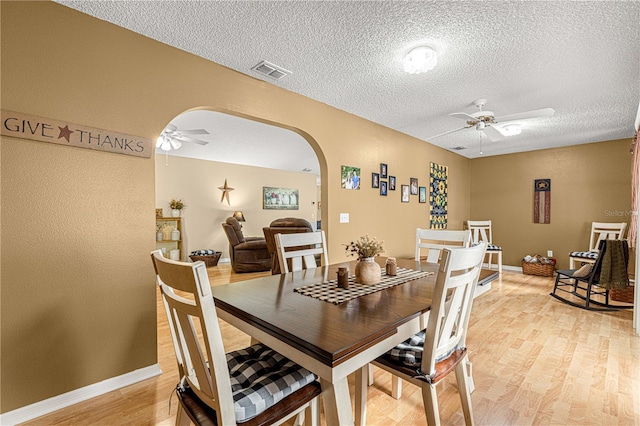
(625, 295)
(538, 268)
(208, 259)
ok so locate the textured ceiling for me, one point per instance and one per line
(580, 58)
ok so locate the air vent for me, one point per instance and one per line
(459, 148)
(270, 70)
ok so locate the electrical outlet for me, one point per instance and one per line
(549, 253)
(344, 217)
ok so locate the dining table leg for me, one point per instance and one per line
(337, 402)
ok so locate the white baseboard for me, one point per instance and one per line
(58, 402)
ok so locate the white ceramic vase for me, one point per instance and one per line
(175, 213)
(368, 271)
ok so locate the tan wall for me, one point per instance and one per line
(77, 225)
(197, 182)
(589, 183)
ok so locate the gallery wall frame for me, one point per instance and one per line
(375, 180)
(422, 196)
(414, 186)
(404, 193)
(383, 171)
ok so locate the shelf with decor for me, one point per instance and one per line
(169, 237)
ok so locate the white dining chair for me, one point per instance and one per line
(599, 231)
(481, 231)
(430, 355)
(252, 386)
(433, 241)
(298, 251)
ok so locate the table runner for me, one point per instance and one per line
(328, 291)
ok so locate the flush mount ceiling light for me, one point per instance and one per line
(419, 60)
(511, 130)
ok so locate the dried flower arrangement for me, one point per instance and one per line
(176, 204)
(365, 247)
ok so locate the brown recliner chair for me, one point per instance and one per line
(286, 225)
(248, 254)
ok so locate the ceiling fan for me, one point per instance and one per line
(172, 138)
(485, 121)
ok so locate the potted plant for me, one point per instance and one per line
(176, 205)
(366, 248)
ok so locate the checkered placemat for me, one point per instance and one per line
(329, 291)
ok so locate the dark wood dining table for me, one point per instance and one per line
(331, 340)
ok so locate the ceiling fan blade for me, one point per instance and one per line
(193, 132)
(446, 133)
(493, 134)
(183, 138)
(544, 112)
(463, 115)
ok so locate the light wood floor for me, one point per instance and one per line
(535, 361)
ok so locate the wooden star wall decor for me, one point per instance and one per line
(225, 192)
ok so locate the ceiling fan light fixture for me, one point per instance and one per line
(166, 145)
(419, 60)
(511, 130)
(159, 141)
(175, 144)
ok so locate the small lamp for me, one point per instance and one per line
(239, 216)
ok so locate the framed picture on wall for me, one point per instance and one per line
(404, 193)
(414, 186)
(383, 187)
(350, 177)
(423, 194)
(279, 198)
(375, 180)
(392, 183)
(383, 171)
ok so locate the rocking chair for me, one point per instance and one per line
(589, 286)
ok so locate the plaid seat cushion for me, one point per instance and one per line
(261, 377)
(584, 254)
(489, 247)
(409, 352)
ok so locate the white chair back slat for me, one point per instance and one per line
(433, 241)
(300, 250)
(605, 231)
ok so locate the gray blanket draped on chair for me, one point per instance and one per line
(613, 274)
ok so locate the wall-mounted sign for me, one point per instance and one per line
(41, 129)
(542, 201)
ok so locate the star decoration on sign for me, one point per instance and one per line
(65, 132)
(225, 192)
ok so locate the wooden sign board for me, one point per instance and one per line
(41, 129)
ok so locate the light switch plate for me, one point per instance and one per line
(344, 217)
(549, 253)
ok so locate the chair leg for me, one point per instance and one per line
(361, 395)
(300, 418)
(430, 401)
(314, 407)
(500, 262)
(469, 371)
(182, 419)
(463, 389)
